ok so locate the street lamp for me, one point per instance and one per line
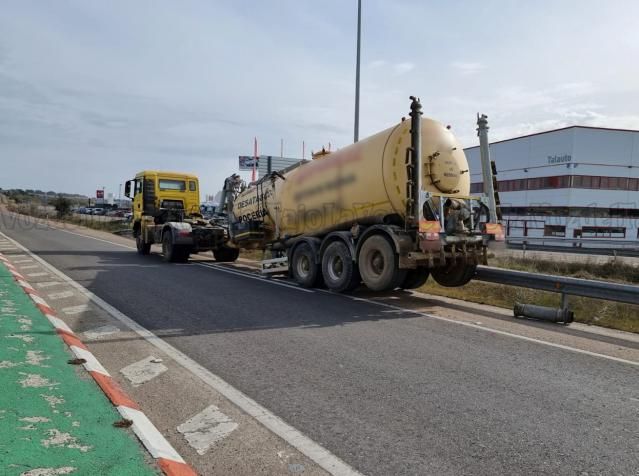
(359, 40)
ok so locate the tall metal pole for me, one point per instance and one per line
(359, 41)
(486, 168)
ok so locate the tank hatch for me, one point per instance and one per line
(444, 172)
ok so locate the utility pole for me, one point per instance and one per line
(359, 41)
(486, 167)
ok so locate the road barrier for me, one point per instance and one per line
(559, 284)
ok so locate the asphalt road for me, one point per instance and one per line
(388, 392)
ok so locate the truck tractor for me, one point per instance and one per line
(388, 211)
(166, 210)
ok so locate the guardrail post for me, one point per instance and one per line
(564, 302)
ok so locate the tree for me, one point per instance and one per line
(62, 205)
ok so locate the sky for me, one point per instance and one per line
(92, 92)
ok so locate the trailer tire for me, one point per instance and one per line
(454, 275)
(226, 254)
(143, 247)
(379, 264)
(304, 270)
(338, 269)
(415, 278)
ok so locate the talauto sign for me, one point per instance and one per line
(559, 159)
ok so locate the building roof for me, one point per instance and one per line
(557, 130)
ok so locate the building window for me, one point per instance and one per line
(555, 230)
(477, 187)
(603, 232)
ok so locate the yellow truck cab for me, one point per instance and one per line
(166, 210)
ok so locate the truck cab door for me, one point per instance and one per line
(137, 199)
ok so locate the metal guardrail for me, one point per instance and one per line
(569, 243)
(559, 284)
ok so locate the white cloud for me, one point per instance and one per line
(403, 68)
(467, 67)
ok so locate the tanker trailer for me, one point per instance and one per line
(388, 211)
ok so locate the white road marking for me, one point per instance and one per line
(19, 261)
(61, 295)
(76, 309)
(143, 371)
(206, 428)
(48, 284)
(37, 275)
(31, 266)
(253, 276)
(272, 422)
(100, 332)
(149, 434)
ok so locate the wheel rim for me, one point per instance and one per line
(303, 266)
(335, 268)
(377, 262)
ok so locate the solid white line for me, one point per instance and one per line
(91, 364)
(153, 440)
(495, 331)
(96, 239)
(272, 422)
(252, 276)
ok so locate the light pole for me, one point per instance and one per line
(359, 41)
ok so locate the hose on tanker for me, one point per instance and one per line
(478, 213)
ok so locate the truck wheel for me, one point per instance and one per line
(303, 268)
(415, 278)
(454, 275)
(171, 252)
(379, 265)
(226, 254)
(338, 270)
(143, 247)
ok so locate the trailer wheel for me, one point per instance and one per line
(415, 278)
(303, 268)
(143, 247)
(379, 265)
(226, 254)
(338, 270)
(454, 275)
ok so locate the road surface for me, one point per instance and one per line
(386, 390)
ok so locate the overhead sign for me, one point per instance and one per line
(247, 162)
(99, 194)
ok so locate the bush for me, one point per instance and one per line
(62, 206)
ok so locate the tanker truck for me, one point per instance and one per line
(389, 211)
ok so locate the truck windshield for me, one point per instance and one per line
(166, 184)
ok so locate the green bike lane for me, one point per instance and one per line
(53, 418)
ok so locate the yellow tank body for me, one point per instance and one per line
(361, 183)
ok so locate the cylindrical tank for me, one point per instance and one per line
(361, 183)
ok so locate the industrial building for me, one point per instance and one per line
(576, 186)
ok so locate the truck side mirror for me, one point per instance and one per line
(127, 189)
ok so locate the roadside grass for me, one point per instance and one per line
(610, 314)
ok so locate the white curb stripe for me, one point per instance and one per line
(59, 324)
(38, 300)
(157, 445)
(24, 284)
(91, 364)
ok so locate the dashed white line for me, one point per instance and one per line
(61, 295)
(144, 370)
(75, 309)
(206, 428)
